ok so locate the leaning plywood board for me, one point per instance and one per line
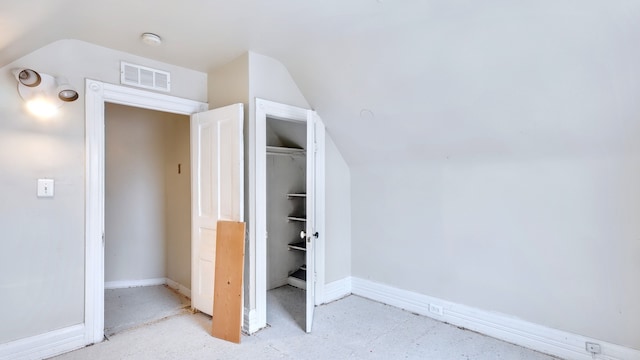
(227, 291)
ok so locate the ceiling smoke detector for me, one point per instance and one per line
(151, 39)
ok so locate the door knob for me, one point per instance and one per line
(303, 234)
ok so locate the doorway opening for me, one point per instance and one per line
(286, 198)
(289, 203)
(97, 94)
(147, 216)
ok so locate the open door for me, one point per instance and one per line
(315, 204)
(216, 191)
(315, 208)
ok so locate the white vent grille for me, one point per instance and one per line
(144, 77)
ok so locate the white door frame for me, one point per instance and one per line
(264, 109)
(96, 94)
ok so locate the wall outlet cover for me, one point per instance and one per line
(436, 309)
(45, 187)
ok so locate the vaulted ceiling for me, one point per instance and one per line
(398, 79)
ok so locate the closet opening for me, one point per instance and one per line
(147, 236)
(286, 181)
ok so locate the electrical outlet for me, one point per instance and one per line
(593, 348)
(436, 309)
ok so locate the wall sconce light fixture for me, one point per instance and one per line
(42, 93)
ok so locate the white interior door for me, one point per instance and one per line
(315, 206)
(216, 191)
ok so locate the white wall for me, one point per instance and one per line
(42, 241)
(552, 241)
(178, 200)
(269, 80)
(134, 194)
(252, 76)
(229, 84)
(338, 215)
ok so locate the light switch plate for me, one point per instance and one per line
(45, 187)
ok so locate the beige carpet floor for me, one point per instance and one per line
(350, 328)
(128, 308)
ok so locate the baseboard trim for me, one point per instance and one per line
(45, 345)
(122, 284)
(178, 287)
(337, 290)
(250, 321)
(537, 337)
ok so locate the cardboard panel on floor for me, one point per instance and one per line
(227, 292)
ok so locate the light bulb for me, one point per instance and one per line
(42, 107)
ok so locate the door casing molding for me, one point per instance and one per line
(98, 93)
(264, 108)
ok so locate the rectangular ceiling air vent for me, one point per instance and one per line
(144, 77)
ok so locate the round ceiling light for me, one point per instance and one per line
(151, 39)
(68, 95)
(28, 77)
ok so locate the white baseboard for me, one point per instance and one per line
(178, 287)
(250, 324)
(337, 290)
(537, 337)
(122, 284)
(70, 338)
(45, 345)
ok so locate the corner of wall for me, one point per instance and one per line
(269, 79)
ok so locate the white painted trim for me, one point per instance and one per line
(251, 321)
(45, 345)
(263, 109)
(533, 336)
(94, 212)
(320, 199)
(96, 94)
(123, 284)
(179, 287)
(337, 290)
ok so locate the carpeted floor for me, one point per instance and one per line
(350, 328)
(128, 308)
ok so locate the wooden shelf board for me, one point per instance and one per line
(296, 218)
(300, 284)
(301, 245)
(278, 150)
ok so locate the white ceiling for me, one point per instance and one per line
(444, 79)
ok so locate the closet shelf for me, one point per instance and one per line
(298, 279)
(296, 218)
(279, 150)
(300, 274)
(300, 245)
